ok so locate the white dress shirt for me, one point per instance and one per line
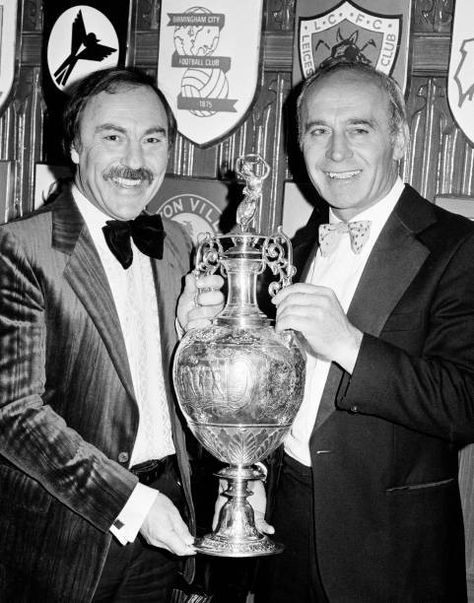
(341, 272)
(134, 295)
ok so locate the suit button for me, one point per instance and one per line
(354, 408)
(123, 457)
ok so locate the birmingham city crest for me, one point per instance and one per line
(207, 72)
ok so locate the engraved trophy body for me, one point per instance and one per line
(238, 382)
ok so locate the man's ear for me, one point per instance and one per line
(400, 143)
(74, 155)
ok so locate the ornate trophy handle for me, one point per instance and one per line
(208, 255)
(277, 254)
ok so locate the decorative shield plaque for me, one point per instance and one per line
(373, 32)
(461, 68)
(208, 64)
(9, 47)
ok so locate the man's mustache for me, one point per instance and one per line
(129, 173)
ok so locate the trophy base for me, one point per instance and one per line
(236, 534)
(215, 545)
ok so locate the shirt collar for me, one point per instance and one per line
(377, 214)
(381, 210)
(94, 218)
(92, 215)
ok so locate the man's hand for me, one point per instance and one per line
(201, 301)
(317, 314)
(164, 528)
(258, 500)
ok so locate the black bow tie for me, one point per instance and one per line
(147, 234)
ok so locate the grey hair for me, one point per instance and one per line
(398, 120)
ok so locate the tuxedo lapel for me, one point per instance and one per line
(163, 272)
(393, 263)
(168, 285)
(86, 275)
(395, 260)
(306, 243)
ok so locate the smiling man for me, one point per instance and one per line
(121, 150)
(367, 501)
(94, 477)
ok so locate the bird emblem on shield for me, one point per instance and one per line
(85, 46)
(82, 40)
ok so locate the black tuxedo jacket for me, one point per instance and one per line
(384, 447)
(68, 413)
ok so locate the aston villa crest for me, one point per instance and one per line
(347, 32)
(461, 69)
(196, 203)
(208, 74)
(196, 213)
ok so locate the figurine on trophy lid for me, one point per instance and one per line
(240, 383)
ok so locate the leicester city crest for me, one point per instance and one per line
(349, 32)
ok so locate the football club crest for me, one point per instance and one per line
(80, 38)
(352, 32)
(461, 68)
(9, 47)
(196, 213)
(196, 203)
(208, 64)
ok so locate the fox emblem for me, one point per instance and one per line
(464, 75)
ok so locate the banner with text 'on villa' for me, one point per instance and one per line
(208, 64)
(373, 32)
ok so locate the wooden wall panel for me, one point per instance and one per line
(440, 160)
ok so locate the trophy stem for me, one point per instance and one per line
(236, 534)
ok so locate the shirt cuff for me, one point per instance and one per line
(129, 521)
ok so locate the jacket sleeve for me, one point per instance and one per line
(33, 437)
(431, 391)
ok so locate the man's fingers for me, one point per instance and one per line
(181, 529)
(173, 543)
(164, 527)
(200, 301)
(210, 297)
(210, 281)
(264, 527)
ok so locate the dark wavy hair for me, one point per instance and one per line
(398, 113)
(107, 80)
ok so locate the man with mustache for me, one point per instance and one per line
(94, 477)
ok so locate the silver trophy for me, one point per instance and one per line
(238, 382)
